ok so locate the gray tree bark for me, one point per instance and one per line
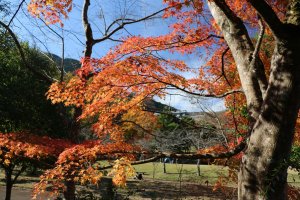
(253, 79)
(263, 171)
(264, 166)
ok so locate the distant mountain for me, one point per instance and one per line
(208, 118)
(70, 64)
(154, 106)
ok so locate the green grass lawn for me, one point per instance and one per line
(185, 172)
(175, 172)
(294, 178)
(188, 173)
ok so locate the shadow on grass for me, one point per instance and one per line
(154, 190)
(24, 181)
(175, 190)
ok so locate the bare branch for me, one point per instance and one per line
(209, 95)
(171, 45)
(173, 86)
(115, 40)
(152, 159)
(117, 22)
(88, 30)
(19, 173)
(223, 66)
(228, 154)
(259, 41)
(254, 58)
(62, 51)
(127, 21)
(201, 94)
(19, 7)
(121, 26)
(239, 148)
(44, 76)
(62, 64)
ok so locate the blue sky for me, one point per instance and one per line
(73, 30)
(26, 28)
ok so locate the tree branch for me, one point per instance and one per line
(269, 16)
(19, 7)
(127, 22)
(239, 148)
(88, 30)
(18, 174)
(200, 94)
(223, 67)
(209, 95)
(43, 76)
(230, 15)
(152, 159)
(255, 53)
(238, 40)
(62, 51)
(171, 45)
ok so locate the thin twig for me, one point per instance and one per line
(44, 76)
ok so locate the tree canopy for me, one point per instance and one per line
(250, 55)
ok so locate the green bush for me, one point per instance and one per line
(295, 157)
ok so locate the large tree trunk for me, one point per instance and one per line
(69, 194)
(263, 172)
(8, 191)
(263, 169)
(9, 184)
(74, 131)
(252, 76)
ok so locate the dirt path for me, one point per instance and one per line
(174, 190)
(156, 190)
(146, 190)
(17, 193)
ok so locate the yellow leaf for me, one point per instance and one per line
(6, 162)
(49, 2)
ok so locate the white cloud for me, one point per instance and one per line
(217, 105)
(184, 102)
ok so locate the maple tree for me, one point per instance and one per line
(260, 88)
(19, 150)
(24, 107)
(79, 164)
